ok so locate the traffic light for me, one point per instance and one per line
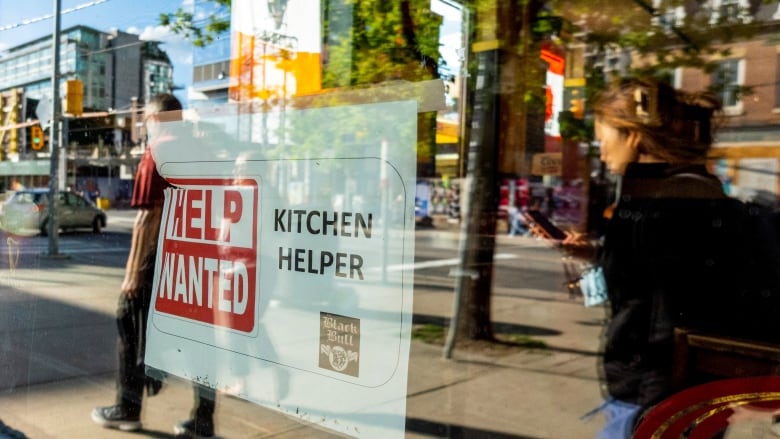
(574, 97)
(74, 97)
(36, 137)
(578, 108)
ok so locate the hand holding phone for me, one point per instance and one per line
(542, 226)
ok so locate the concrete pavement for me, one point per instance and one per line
(59, 362)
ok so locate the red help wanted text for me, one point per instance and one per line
(208, 266)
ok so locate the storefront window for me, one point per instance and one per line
(423, 218)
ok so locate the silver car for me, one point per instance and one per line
(25, 212)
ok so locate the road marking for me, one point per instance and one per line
(438, 263)
(38, 250)
(119, 219)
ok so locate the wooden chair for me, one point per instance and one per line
(702, 357)
(715, 375)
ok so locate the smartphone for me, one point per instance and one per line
(551, 230)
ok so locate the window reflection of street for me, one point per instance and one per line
(13, 253)
(13, 256)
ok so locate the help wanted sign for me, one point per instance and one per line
(280, 264)
(208, 264)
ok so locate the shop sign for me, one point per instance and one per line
(279, 272)
(547, 163)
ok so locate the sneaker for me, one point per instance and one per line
(194, 430)
(116, 417)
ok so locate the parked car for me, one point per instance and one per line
(26, 212)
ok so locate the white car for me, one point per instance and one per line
(25, 212)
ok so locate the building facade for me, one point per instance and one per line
(211, 64)
(119, 72)
(741, 48)
(113, 66)
(747, 153)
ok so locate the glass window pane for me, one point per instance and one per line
(386, 219)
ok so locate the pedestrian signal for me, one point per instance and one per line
(36, 137)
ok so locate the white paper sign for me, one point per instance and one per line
(278, 272)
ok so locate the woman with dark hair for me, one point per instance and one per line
(667, 245)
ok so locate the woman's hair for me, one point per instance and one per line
(673, 125)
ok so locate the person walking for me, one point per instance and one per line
(517, 221)
(668, 245)
(135, 298)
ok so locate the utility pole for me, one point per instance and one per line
(471, 303)
(501, 126)
(56, 115)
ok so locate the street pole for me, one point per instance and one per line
(54, 181)
(473, 284)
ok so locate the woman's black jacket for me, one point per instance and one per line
(667, 254)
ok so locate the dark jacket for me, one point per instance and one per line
(666, 257)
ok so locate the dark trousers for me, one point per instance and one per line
(132, 313)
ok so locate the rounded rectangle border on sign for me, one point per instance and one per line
(307, 258)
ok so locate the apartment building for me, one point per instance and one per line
(746, 77)
(113, 66)
(118, 71)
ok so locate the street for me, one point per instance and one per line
(106, 249)
(57, 337)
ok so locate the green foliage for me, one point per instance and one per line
(575, 129)
(372, 41)
(429, 333)
(201, 31)
(436, 334)
(546, 25)
(368, 41)
(522, 340)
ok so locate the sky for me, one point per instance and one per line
(451, 37)
(133, 16)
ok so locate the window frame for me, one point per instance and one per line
(737, 107)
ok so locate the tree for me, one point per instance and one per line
(365, 42)
(202, 31)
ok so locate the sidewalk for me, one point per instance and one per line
(514, 395)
